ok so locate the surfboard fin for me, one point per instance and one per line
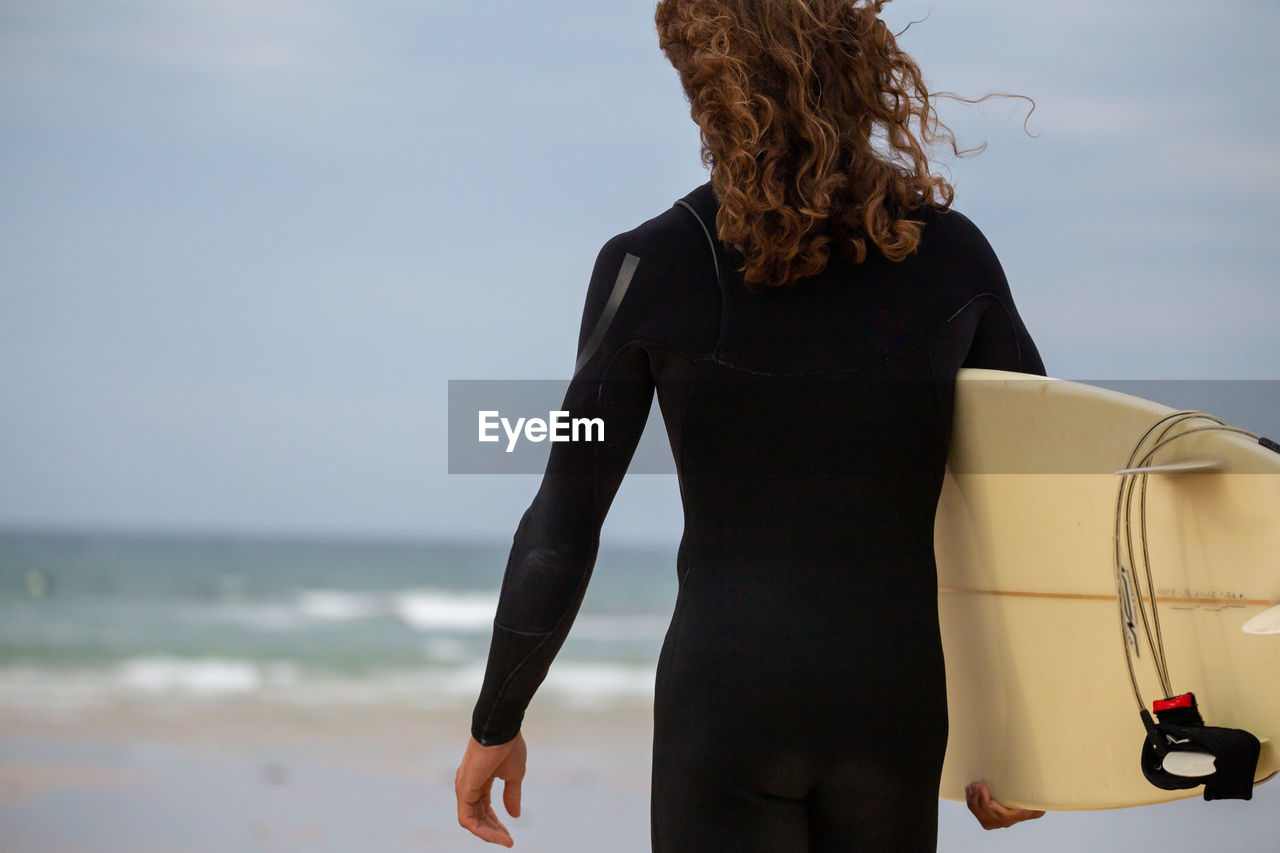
(1266, 622)
(1229, 755)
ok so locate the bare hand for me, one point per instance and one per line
(990, 812)
(474, 780)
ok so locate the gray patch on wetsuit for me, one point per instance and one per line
(629, 264)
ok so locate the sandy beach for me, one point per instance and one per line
(239, 775)
(245, 778)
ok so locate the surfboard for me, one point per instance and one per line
(1040, 701)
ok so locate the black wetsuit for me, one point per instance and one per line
(800, 700)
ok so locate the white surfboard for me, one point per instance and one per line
(1039, 699)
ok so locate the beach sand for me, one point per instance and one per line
(238, 775)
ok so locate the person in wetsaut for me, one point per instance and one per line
(801, 318)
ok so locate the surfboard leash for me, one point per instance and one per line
(1128, 587)
(1179, 750)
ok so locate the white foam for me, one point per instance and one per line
(160, 679)
(620, 627)
(434, 610)
(333, 605)
(593, 685)
(200, 676)
(258, 616)
(425, 610)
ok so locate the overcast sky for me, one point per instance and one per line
(244, 244)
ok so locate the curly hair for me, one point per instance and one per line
(792, 98)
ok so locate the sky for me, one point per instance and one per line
(244, 244)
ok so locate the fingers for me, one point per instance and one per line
(511, 797)
(482, 822)
(991, 813)
(512, 773)
(975, 797)
(473, 786)
(476, 815)
(1012, 815)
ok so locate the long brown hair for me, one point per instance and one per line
(792, 98)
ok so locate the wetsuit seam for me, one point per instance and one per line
(855, 368)
(968, 302)
(600, 383)
(497, 701)
(506, 682)
(669, 348)
(1013, 330)
(715, 259)
(724, 293)
(923, 341)
(498, 624)
(1017, 344)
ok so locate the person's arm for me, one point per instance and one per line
(555, 544)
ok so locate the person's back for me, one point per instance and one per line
(800, 700)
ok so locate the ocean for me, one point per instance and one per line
(329, 631)
(93, 620)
